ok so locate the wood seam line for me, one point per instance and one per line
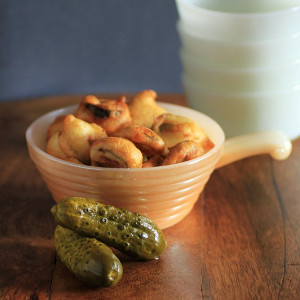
(52, 275)
(283, 216)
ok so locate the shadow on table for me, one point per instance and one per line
(26, 265)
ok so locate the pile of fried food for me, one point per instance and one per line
(115, 134)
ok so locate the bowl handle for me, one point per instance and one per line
(275, 143)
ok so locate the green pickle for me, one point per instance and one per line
(87, 258)
(129, 232)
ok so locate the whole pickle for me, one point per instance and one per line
(87, 258)
(129, 232)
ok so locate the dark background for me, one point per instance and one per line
(50, 47)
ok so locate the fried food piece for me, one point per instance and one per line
(183, 151)
(174, 129)
(55, 126)
(53, 148)
(145, 139)
(76, 136)
(112, 115)
(144, 109)
(154, 161)
(74, 160)
(115, 152)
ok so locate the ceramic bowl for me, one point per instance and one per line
(237, 54)
(240, 113)
(244, 6)
(246, 80)
(213, 23)
(165, 194)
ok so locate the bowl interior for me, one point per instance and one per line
(37, 131)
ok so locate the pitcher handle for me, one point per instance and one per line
(275, 143)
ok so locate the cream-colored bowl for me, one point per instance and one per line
(240, 113)
(259, 24)
(240, 54)
(243, 6)
(165, 194)
(247, 80)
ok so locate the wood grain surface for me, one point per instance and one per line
(241, 240)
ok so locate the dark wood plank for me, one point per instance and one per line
(286, 179)
(241, 241)
(244, 232)
(26, 226)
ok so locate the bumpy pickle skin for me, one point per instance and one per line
(87, 258)
(129, 232)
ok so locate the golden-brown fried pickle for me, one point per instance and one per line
(110, 114)
(145, 139)
(115, 152)
(74, 160)
(183, 151)
(144, 109)
(76, 136)
(53, 148)
(153, 161)
(174, 129)
(55, 126)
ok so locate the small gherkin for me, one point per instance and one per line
(129, 232)
(87, 258)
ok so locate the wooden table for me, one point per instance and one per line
(241, 241)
